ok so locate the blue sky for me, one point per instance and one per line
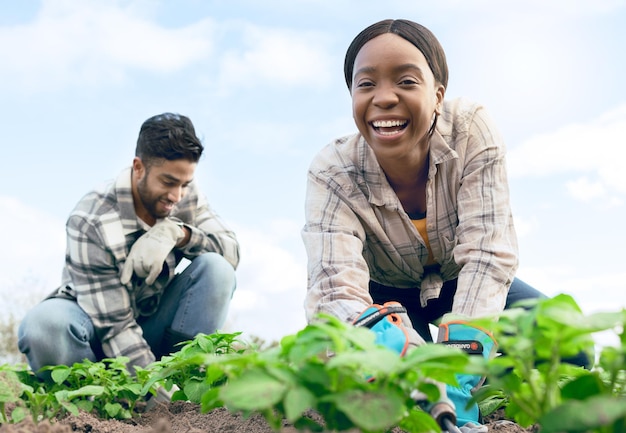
(263, 84)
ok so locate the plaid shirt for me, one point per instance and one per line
(100, 232)
(356, 229)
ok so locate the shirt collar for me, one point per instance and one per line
(380, 192)
(124, 193)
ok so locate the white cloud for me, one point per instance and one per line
(271, 281)
(562, 7)
(583, 286)
(592, 149)
(264, 138)
(91, 42)
(525, 226)
(283, 58)
(32, 256)
(584, 190)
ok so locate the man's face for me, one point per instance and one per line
(159, 186)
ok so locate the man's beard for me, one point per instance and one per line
(148, 201)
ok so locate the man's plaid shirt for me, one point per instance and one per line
(100, 232)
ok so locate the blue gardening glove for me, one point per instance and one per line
(473, 340)
(395, 331)
(392, 326)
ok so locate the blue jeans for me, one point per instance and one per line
(422, 317)
(58, 332)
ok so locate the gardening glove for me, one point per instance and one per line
(392, 326)
(148, 253)
(161, 397)
(475, 341)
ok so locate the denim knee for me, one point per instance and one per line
(519, 291)
(52, 333)
(217, 270)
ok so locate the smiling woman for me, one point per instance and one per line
(414, 208)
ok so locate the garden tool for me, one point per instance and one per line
(394, 330)
(474, 341)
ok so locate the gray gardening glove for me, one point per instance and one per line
(472, 427)
(161, 397)
(148, 253)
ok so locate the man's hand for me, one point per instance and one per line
(148, 253)
(392, 326)
(472, 340)
(161, 397)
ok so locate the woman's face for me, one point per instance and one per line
(394, 95)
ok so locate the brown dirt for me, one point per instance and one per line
(180, 417)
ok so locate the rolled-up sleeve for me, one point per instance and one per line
(338, 275)
(487, 244)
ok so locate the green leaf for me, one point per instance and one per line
(88, 390)
(298, 400)
(112, 409)
(18, 414)
(85, 405)
(60, 373)
(314, 374)
(490, 399)
(304, 351)
(70, 407)
(418, 421)
(253, 390)
(211, 400)
(371, 411)
(194, 389)
(576, 416)
(376, 361)
(308, 425)
(10, 387)
(582, 387)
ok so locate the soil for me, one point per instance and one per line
(181, 417)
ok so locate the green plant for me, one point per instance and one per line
(11, 391)
(539, 386)
(105, 387)
(328, 367)
(21, 387)
(325, 367)
(186, 369)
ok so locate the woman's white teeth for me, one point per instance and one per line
(387, 123)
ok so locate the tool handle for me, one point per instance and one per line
(442, 412)
(450, 426)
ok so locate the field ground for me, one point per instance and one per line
(180, 417)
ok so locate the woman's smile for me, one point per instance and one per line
(389, 127)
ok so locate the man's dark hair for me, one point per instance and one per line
(168, 136)
(418, 35)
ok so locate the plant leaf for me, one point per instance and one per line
(60, 374)
(575, 416)
(372, 411)
(419, 421)
(297, 400)
(253, 390)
